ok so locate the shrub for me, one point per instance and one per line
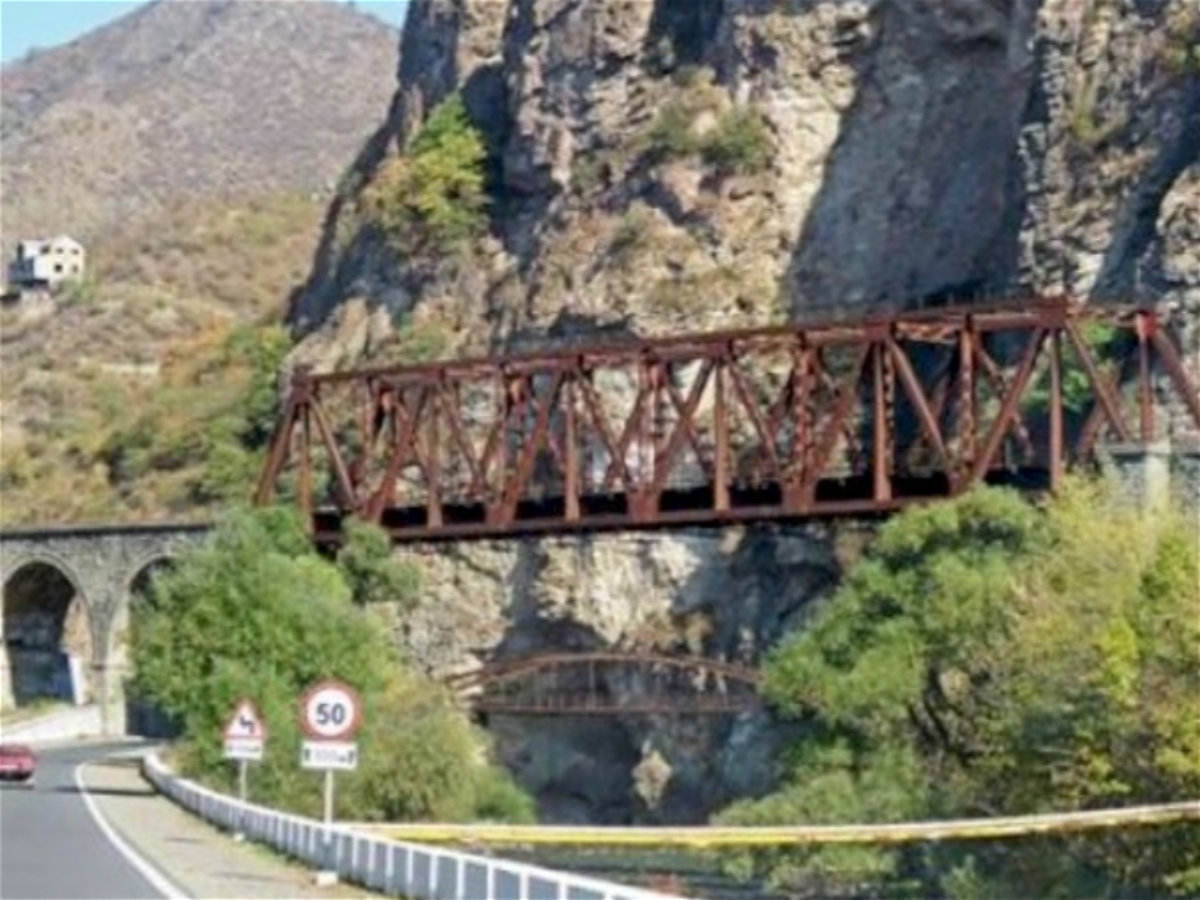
(431, 198)
(419, 341)
(372, 572)
(740, 144)
(672, 136)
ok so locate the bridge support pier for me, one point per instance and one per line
(109, 693)
(1187, 485)
(7, 699)
(1157, 475)
(1143, 472)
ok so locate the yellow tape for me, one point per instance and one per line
(798, 835)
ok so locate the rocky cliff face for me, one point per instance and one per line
(675, 164)
(721, 595)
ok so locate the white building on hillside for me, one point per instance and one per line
(47, 262)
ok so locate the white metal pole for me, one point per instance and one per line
(240, 834)
(329, 875)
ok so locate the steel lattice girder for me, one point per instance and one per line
(608, 683)
(797, 421)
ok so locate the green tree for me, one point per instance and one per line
(740, 144)
(258, 613)
(1097, 690)
(890, 672)
(431, 198)
(989, 658)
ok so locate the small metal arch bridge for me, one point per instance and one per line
(608, 683)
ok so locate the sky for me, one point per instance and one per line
(42, 24)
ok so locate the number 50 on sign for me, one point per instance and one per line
(330, 711)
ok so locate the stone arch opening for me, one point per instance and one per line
(47, 637)
(141, 585)
(140, 593)
(142, 716)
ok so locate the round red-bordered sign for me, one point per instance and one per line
(330, 710)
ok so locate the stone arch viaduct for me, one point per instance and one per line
(67, 597)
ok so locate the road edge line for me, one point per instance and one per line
(159, 881)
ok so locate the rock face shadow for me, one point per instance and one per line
(921, 196)
(725, 595)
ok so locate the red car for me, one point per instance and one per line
(18, 762)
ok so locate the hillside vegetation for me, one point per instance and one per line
(192, 147)
(989, 658)
(142, 393)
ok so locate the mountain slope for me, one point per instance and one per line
(191, 145)
(183, 98)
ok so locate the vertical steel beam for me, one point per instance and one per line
(433, 457)
(721, 467)
(571, 454)
(1145, 375)
(304, 488)
(968, 413)
(881, 432)
(1056, 411)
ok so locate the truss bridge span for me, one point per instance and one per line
(791, 422)
(608, 683)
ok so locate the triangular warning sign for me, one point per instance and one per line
(245, 722)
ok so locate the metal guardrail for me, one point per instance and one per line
(793, 835)
(382, 864)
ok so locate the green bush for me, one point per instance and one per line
(671, 136)
(740, 144)
(431, 198)
(375, 576)
(418, 341)
(212, 423)
(1101, 342)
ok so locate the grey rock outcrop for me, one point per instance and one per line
(920, 151)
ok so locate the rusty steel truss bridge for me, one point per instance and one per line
(792, 422)
(608, 683)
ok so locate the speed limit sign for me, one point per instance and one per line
(330, 711)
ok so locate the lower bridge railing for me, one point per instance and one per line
(395, 868)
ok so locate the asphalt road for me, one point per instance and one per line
(50, 845)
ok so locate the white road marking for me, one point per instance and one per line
(144, 867)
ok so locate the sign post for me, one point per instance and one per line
(330, 716)
(244, 737)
